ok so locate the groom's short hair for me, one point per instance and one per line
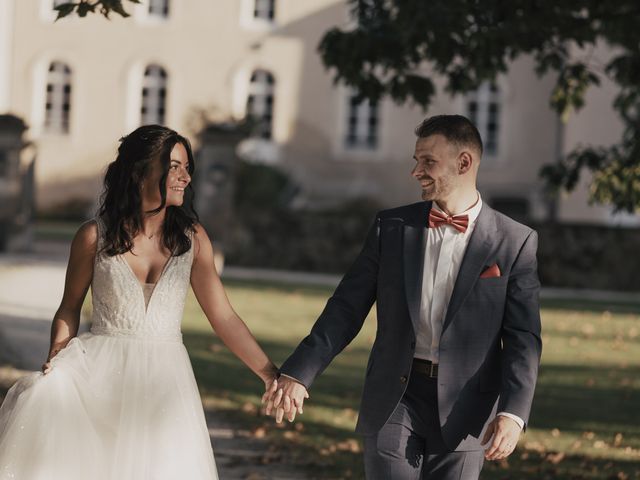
(457, 129)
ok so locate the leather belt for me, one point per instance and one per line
(425, 367)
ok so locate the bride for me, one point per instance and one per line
(120, 402)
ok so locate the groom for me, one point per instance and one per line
(452, 372)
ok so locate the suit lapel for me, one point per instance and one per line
(474, 259)
(413, 255)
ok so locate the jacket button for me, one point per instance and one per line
(403, 379)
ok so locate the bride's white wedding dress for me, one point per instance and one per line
(121, 402)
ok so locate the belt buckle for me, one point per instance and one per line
(427, 368)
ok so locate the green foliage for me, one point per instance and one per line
(83, 7)
(276, 237)
(616, 171)
(270, 234)
(271, 192)
(466, 43)
(588, 256)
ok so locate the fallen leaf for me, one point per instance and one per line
(249, 407)
(617, 440)
(555, 457)
(619, 476)
(535, 446)
(290, 435)
(588, 330)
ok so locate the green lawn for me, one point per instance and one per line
(584, 425)
(585, 422)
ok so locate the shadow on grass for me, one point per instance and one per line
(526, 465)
(586, 398)
(287, 287)
(322, 439)
(573, 399)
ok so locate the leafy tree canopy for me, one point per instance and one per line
(385, 51)
(83, 7)
(467, 42)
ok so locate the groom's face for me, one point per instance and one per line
(436, 167)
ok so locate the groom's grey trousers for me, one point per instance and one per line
(410, 446)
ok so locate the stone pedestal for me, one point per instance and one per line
(17, 194)
(214, 182)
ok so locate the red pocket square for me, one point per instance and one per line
(491, 272)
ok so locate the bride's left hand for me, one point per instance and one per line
(270, 387)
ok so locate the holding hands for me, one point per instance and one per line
(284, 397)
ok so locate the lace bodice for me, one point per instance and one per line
(118, 297)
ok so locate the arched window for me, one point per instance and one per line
(362, 123)
(483, 109)
(260, 103)
(158, 9)
(154, 95)
(58, 100)
(264, 10)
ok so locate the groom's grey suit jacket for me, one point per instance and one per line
(490, 345)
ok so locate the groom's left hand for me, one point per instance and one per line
(505, 432)
(287, 399)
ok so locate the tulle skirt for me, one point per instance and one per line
(112, 408)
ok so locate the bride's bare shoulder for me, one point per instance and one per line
(200, 232)
(86, 238)
(201, 238)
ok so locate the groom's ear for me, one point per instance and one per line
(465, 161)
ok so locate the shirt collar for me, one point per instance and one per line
(472, 211)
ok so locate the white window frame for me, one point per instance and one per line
(249, 21)
(262, 91)
(166, 7)
(154, 84)
(486, 97)
(255, 149)
(264, 10)
(342, 152)
(143, 16)
(363, 130)
(58, 98)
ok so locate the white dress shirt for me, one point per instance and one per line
(444, 251)
(443, 255)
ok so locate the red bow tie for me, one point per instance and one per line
(438, 219)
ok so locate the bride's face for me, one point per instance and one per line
(177, 179)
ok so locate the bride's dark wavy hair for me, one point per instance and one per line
(121, 201)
